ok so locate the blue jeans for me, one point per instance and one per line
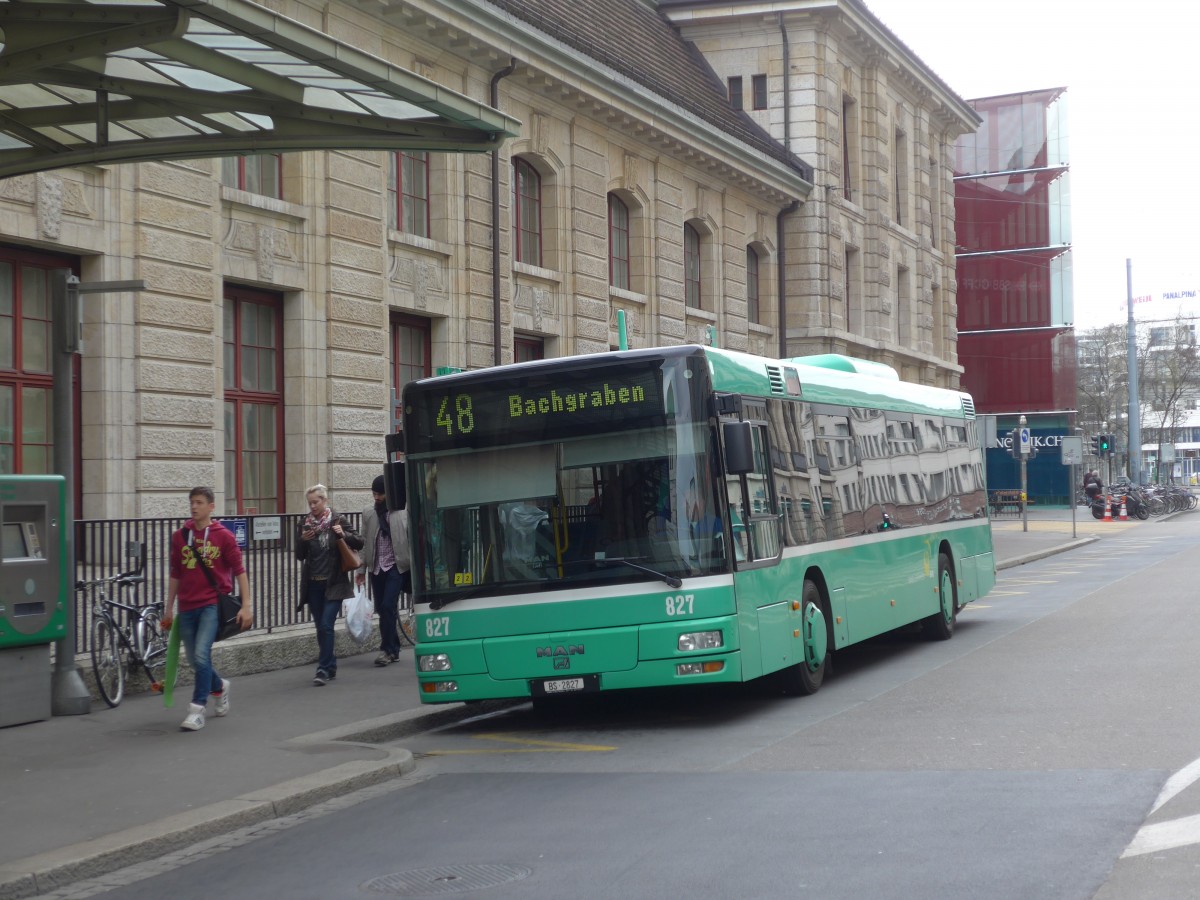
(197, 630)
(324, 613)
(385, 588)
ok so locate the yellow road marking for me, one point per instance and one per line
(527, 745)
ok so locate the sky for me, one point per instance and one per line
(1131, 77)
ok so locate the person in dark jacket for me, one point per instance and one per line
(323, 584)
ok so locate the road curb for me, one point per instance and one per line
(1042, 554)
(58, 868)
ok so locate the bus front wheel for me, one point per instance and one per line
(807, 676)
(940, 626)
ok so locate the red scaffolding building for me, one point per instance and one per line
(1016, 338)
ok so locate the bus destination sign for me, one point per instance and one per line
(546, 407)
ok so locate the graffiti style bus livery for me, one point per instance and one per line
(682, 515)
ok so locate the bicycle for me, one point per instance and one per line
(407, 620)
(122, 640)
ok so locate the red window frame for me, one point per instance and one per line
(692, 293)
(253, 400)
(618, 242)
(235, 173)
(21, 439)
(412, 350)
(408, 190)
(752, 285)
(527, 213)
(527, 348)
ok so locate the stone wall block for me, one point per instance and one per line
(153, 309)
(359, 284)
(349, 337)
(176, 377)
(167, 212)
(360, 394)
(177, 248)
(178, 475)
(355, 255)
(175, 345)
(362, 419)
(364, 447)
(355, 310)
(181, 442)
(362, 229)
(161, 409)
(178, 182)
(357, 365)
(169, 279)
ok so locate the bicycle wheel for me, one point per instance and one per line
(107, 661)
(152, 643)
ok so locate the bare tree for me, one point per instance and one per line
(1172, 376)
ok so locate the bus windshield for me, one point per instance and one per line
(604, 504)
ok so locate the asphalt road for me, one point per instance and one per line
(1047, 751)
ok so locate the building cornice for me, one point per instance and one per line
(858, 29)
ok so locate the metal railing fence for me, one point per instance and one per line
(270, 563)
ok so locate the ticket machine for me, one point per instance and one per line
(34, 591)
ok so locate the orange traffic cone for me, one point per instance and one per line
(1108, 508)
(1124, 515)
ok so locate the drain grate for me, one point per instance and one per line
(445, 879)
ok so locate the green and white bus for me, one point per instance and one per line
(682, 515)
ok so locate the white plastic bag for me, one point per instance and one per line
(357, 610)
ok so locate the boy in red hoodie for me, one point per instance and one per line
(203, 542)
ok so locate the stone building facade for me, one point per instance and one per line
(285, 300)
(875, 275)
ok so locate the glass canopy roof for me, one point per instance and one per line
(139, 80)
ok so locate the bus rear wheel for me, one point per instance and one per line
(807, 676)
(940, 626)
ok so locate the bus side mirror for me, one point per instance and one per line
(739, 447)
(393, 484)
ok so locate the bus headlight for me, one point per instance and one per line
(434, 662)
(439, 687)
(701, 640)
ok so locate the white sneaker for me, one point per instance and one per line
(195, 718)
(221, 700)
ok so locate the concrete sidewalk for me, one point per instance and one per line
(85, 795)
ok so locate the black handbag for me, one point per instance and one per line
(228, 606)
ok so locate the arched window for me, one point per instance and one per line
(691, 267)
(753, 311)
(527, 213)
(618, 243)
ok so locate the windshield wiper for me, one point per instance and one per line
(673, 580)
(602, 561)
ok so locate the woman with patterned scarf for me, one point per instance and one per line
(323, 584)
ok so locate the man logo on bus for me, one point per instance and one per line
(561, 654)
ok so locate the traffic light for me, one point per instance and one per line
(1106, 445)
(1014, 443)
(1096, 445)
